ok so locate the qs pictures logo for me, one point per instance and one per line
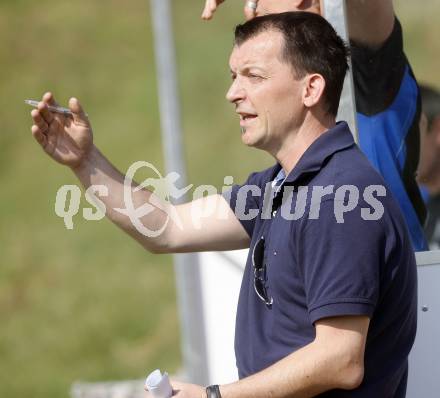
(162, 190)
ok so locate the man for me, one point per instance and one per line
(429, 167)
(328, 299)
(387, 97)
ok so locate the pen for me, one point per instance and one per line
(57, 109)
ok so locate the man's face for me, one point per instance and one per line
(265, 92)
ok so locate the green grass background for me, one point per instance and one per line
(89, 303)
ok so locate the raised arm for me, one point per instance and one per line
(69, 141)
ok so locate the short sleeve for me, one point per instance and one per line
(245, 200)
(340, 263)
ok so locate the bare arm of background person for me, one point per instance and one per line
(370, 22)
(69, 141)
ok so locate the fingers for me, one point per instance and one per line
(43, 108)
(39, 121)
(44, 122)
(45, 113)
(39, 136)
(79, 116)
(250, 9)
(210, 7)
(49, 99)
(147, 394)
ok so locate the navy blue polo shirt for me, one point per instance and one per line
(335, 244)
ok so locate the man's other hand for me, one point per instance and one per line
(184, 390)
(68, 139)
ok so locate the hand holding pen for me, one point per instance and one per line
(55, 109)
(65, 134)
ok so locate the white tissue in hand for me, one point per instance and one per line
(158, 384)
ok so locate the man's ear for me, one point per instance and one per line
(314, 86)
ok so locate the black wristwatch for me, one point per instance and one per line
(213, 391)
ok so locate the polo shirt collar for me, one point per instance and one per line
(333, 140)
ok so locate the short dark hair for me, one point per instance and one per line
(430, 103)
(311, 45)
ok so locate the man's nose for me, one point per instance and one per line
(235, 92)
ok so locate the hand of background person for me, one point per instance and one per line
(66, 139)
(265, 7)
(212, 5)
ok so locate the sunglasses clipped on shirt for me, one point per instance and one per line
(260, 278)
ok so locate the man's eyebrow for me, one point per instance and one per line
(254, 67)
(247, 68)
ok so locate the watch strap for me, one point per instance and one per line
(213, 391)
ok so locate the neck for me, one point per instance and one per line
(297, 142)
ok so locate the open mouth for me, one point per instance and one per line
(246, 118)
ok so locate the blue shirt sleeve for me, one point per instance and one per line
(388, 114)
(244, 201)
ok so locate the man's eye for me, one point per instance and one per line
(254, 77)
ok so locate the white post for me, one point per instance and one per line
(189, 295)
(335, 12)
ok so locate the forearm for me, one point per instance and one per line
(97, 170)
(370, 22)
(305, 373)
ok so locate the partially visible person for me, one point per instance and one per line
(387, 96)
(429, 166)
(388, 108)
